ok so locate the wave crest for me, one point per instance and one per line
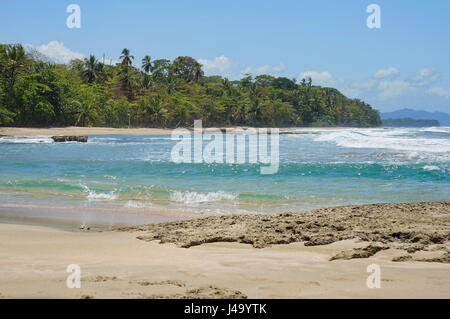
(198, 198)
(94, 196)
(411, 142)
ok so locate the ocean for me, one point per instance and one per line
(128, 179)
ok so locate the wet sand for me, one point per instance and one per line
(116, 264)
(96, 218)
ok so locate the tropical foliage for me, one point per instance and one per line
(161, 93)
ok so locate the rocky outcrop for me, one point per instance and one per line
(410, 226)
(365, 252)
(59, 139)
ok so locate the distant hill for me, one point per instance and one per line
(443, 118)
(409, 122)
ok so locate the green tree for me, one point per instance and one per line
(86, 107)
(161, 93)
(6, 116)
(187, 69)
(155, 111)
(126, 57)
(127, 81)
(13, 62)
(160, 70)
(147, 65)
(92, 69)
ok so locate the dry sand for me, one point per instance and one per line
(75, 130)
(33, 260)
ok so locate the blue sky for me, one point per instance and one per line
(405, 63)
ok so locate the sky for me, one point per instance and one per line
(403, 64)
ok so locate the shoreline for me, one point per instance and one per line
(149, 261)
(97, 218)
(75, 130)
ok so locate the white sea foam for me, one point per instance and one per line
(104, 139)
(126, 141)
(94, 196)
(197, 198)
(25, 139)
(437, 129)
(431, 168)
(403, 140)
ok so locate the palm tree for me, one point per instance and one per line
(171, 84)
(126, 81)
(239, 114)
(255, 111)
(127, 59)
(146, 81)
(85, 112)
(91, 69)
(147, 64)
(226, 86)
(160, 69)
(157, 111)
(15, 60)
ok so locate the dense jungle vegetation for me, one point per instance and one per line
(161, 93)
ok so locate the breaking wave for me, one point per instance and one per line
(25, 139)
(197, 198)
(94, 196)
(416, 144)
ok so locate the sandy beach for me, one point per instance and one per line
(116, 264)
(207, 150)
(76, 130)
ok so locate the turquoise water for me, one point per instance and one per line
(320, 168)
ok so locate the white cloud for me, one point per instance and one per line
(439, 91)
(357, 89)
(368, 84)
(384, 89)
(218, 65)
(383, 73)
(57, 52)
(318, 78)
(425, 77)
(264, 69)
(391, 89)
